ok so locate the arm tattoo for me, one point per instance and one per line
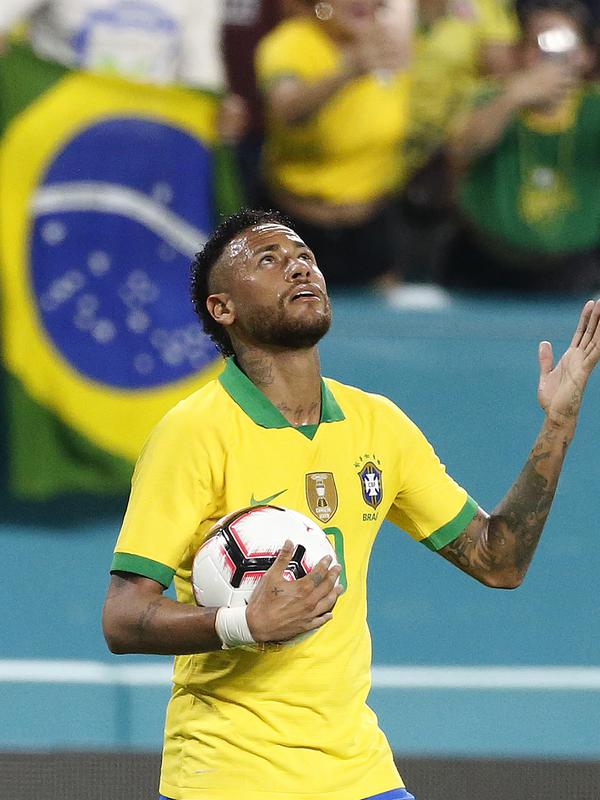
(517, 523)
(520, 519)
(460, 550)
(499, 550)
(146, 617)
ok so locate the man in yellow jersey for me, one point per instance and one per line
(293, 723)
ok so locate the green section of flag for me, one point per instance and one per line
(23, 78)
(47, 457)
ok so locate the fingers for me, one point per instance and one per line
(282, 609)
(323, 610)
(322, 579)
(583, 323)
(318, 622)
(284, 556)
(546, 358)
(318, 574)
(590, 335)
(328, 602)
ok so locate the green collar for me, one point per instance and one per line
(262, 411)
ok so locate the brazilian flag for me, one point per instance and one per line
(107, 188)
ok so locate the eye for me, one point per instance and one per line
(267, 259)
(307, 256)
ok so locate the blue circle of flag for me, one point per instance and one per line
(117, 218)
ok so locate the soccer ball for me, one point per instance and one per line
(241, 547)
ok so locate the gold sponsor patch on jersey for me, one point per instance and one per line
(321, 495)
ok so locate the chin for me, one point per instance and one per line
(303, 337)
(300, 334)
(293, 331)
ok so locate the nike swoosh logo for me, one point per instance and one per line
(266, 500)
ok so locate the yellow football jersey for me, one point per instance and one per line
(291, 723)
(347, 152)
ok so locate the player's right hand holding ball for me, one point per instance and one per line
(280, 610)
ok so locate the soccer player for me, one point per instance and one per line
(268, 723)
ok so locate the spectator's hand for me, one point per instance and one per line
(233, 118)
(546, 84)
(280, 609)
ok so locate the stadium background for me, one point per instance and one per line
(483, 695)
(461, 672)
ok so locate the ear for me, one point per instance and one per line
(221, 308)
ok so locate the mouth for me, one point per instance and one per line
(306, 293)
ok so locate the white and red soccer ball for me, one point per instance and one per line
(243, 545)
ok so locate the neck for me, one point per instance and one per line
(291, 379)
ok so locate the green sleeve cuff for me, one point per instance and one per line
(128, 562)
(448, 532)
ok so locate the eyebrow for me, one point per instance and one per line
(265, 248)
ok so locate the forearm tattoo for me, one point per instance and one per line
(504, 545)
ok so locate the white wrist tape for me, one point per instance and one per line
(232, 627)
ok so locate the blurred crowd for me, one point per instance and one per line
(416, 145)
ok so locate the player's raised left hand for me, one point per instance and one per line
(561, 387)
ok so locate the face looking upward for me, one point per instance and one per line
(272, 292)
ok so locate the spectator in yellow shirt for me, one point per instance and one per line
(335, 83)
(473, 39)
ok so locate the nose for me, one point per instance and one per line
(296, 270)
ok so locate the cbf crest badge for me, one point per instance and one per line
(321, 495)
(371, 480)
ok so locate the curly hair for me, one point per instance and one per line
(207, 257)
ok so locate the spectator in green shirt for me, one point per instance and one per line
(527, 157)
